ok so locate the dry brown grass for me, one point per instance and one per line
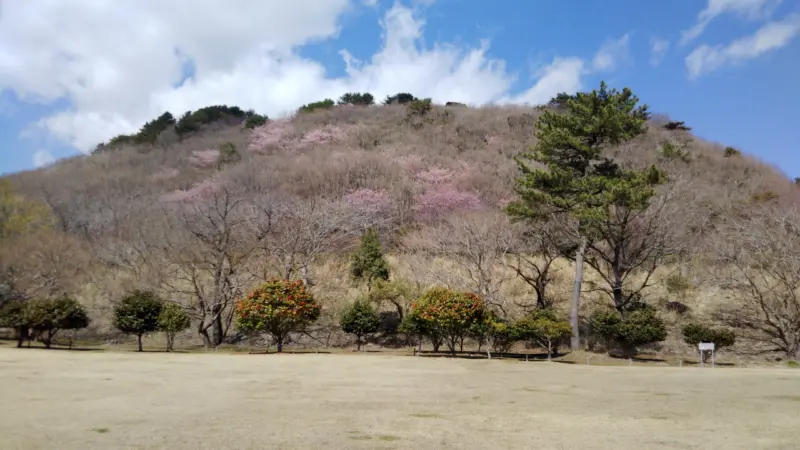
(86, 400)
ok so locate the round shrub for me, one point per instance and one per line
(48, 316)
(638, 327)
(277, 307)
(172, 320)
(137, 313)
(447, 315)
(695, 333)
(543, 327)
(360, 319)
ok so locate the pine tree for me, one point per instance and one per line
(368, 263)
(578, 180)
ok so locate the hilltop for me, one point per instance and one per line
(305, 187)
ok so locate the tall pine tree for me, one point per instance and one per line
(577, 180)
(368, 263)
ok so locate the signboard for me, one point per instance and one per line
(703, 346)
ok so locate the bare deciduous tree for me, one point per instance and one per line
(533, 255)
(206, 255)
(478, 243)
(303, 231)
(759, 257)
(631, 244)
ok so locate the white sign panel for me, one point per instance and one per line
(706, 346)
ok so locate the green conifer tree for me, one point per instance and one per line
(368, 263)
(577, 179)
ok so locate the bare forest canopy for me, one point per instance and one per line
(204, 205)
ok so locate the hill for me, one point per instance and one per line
(203, 210)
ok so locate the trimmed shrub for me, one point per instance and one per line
(543, 327)
(48, 316)
(695, 333)
(445, 315)
(360, 319)
(138, 314)
(277, 307)
(638, 327)
(173, 319)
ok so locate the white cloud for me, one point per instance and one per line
(612, 53)
(118, 62)
(42, 158)
(658, 49)
(774, 35)
(750, 9)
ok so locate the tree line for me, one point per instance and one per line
(574, 201)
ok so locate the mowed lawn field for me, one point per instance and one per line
(100, 400)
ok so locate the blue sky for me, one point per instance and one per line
(74, 75)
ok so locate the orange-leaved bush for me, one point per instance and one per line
(277, 307)
(445, 315)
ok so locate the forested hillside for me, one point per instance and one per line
(201, 209)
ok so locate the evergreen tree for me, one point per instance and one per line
(360, 319)
(368, 263)
(137, 313)
(578, 180)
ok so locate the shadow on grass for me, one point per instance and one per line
(482, 355)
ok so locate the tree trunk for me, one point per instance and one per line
(358, 343)
(217, 333)
(279, 342)
(139, 336)
(22, 334)
(575, 341)
(170, 340)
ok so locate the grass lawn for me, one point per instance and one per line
(104, 400)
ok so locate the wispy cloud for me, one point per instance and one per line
(773, 35)
(612, 53)
(658, 50)
(751, 9)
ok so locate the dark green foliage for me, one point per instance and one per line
(150, 131)
(12, 315)
(677, 126)
(695, 333)
(360, 319)
(458, 104)
(173, 319)
(255, 121)
(731, 152)
(323, 104)
(543, 327)
(228, 154)
(797, 180)
(357, 98)
(399, 99)
(368, 263)
(46, 317)
(578, 181)
(638, 327)
(418, 108)
(191, 122)
(138, 313)
(497, 332)
(561, 100)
